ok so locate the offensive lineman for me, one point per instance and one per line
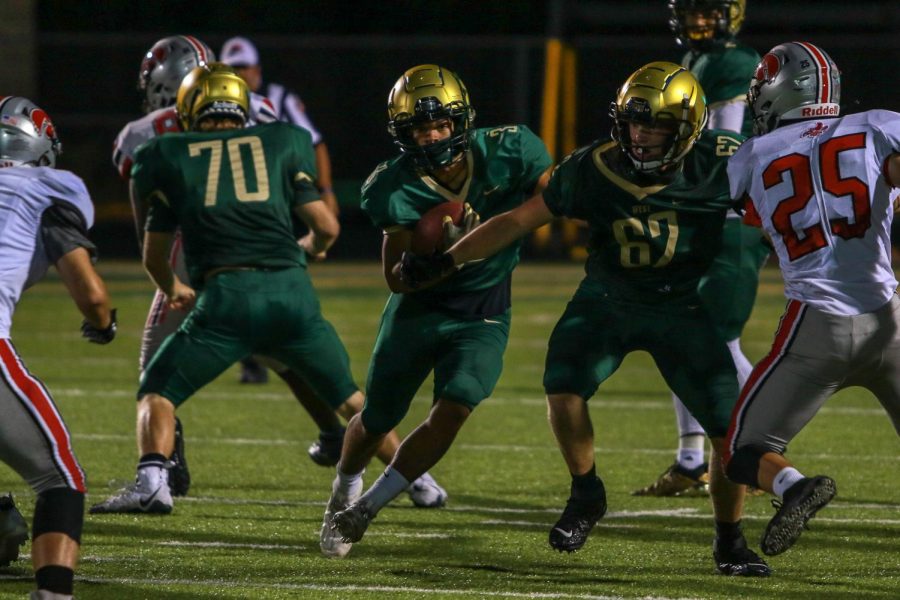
(45, 214)
(820, 186)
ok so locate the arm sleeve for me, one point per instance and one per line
(303, 169)
(535, 159)
(559, 196)
(728, 115)
(62, 230)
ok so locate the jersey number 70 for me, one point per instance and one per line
(803, 186)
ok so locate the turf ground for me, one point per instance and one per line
(249, 528)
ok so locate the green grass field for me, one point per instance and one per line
(249, 529)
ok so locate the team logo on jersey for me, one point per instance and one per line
(767, 68)
(818, 129)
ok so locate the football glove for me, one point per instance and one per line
(452, 233)
(100, 336)
(416, 271)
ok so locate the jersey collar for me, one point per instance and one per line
(437, 188)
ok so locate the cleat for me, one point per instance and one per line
(253, 372)
(13, 530)
(330, 541)
(734, 558)
(578, 519)
(352, 522)
(143, 496)
(326, 452)
(179, 475)
(426, 493)
(678, 481)
(801, 501)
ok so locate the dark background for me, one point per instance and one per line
(343, 57)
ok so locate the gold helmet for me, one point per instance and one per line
(660, 94)
(728, 18)
(430, 93)
(213, 89)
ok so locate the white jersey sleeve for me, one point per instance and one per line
(819, 191)
(25, 193)
(137, 132)
(727, 115)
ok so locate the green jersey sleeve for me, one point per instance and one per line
(725, 75)
(389, 198)
(149, 188)
(560, 195)
(534, 156)
(302, 169)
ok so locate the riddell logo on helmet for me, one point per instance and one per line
(820, 111)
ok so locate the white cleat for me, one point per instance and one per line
(330, 541)
(426, 493)
(146, 495)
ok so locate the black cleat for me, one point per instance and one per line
(733, 557)
(179, 476)
(326, 451)
(579, 517)
(13, 530)
(253, 372)
(801, 501)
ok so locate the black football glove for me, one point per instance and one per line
(100, 336)
(452, 233)
(416, 271)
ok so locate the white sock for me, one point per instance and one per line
(347, 483)
(741, 363)
(689, 455)
(46, 595)
(151, 476)
(387, 487)
(786, 477)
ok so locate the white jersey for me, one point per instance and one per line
(165, 120)
(290, 109)
(819, 191)
(25, 193)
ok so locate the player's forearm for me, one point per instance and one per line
(488, 239)
(85, 286)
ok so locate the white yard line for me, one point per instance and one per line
(420, 591)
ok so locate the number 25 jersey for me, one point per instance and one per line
(819, 190)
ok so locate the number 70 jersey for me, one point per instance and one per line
(820, 192)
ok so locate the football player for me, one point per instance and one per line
(162, 70)
(820, 186)
(654, 197)
(234, 238)
(707, 29)
(45, 214)
(457, 328)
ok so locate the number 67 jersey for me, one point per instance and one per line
(820, 191)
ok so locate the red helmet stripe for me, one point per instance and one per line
(824, 70)
(198, 47)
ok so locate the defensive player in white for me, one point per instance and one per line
(819, 185)
(162, 70)
(44, 217)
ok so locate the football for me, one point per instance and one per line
(429, 232)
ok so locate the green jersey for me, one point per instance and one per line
(230, 192)
(648, 242)
(724, 74)
(504, 165)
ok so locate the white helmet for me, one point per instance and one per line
(27, 135)
(793, 81)
(165, 65)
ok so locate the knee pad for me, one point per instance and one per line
(463, 389)
(60, 510)
(744, 465)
